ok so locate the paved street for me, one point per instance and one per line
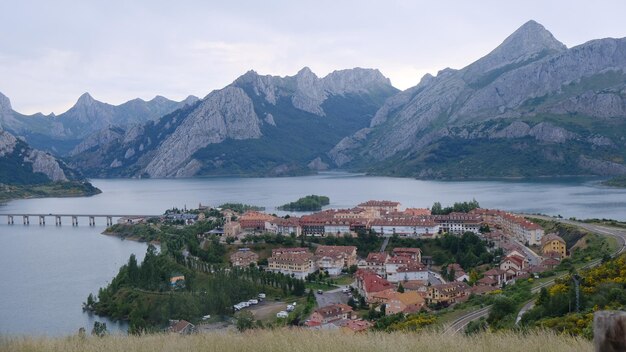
(331, 297)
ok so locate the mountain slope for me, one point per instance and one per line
(258, 125)
(59, 134)
(531, 107)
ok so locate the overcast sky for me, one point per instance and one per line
(53, 51)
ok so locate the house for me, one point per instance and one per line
(244, 257)
(416, 212)
(376, 262)
(296, 262)
(284, 226)
(493, 277)
(513, 262)
(552, 243)
(408, 227)
(381, 206)
(393, 263)
(412, 272)
(232, 228)
(459, 223)
(459, 273)
(330, 313)
(355, 326)
(420, 286)
(182, 327)
(550, 263)
(513, 225)
(334, 259)
(254, 220)
(368, 283)
(448, 293)
(413, 253)
(396, 302)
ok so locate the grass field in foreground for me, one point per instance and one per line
(296, 340)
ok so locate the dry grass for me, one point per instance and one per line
(300, 340)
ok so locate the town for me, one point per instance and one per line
(393, 278)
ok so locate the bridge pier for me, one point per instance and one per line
(10, 219)
(26, 220)
(92, 221)
(57, 220)
(42, 220)
(74, 221)
(109, 221)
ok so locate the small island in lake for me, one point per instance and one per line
(619, 181)
(308, 203)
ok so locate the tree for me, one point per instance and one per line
(230, 240)
(133, 270)
(436, 209)
(245, 321)
(400, 288)
(99, 329)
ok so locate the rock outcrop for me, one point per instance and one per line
(529, 86)
(227, 113)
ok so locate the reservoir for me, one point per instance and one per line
(50, 270)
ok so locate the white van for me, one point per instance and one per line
(262, 295)
(253, 301)
(282, 314)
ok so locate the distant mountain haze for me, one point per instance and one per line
(530, 107)
(60, 133)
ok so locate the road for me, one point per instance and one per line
(460, 323)
(533, 258)
(385, 243)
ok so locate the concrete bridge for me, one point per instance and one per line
(74, 218)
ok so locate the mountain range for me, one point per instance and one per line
(59, 134)
(530, 107)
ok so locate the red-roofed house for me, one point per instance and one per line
(330, 313)
(368, 283)
(413, 253)
(513, 262)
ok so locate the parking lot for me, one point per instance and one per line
(331, 297)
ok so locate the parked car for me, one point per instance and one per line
(290, 308)
(345, 290)
(261, 295)
(320, 292)
(253, 301)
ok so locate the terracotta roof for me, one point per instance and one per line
(551, 237)
(376, 257)
(400, 259)
(357, 325)
(516, 259)
(333, 310)
(411, 268)
(407, 250)
(493, 272)
(331, 250)
(180, 326)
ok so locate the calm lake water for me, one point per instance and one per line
(49, 271)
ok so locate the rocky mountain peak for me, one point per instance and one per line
(5, 104)
(529, 38)
(85, 100)
(354, 80)
(530, 41)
